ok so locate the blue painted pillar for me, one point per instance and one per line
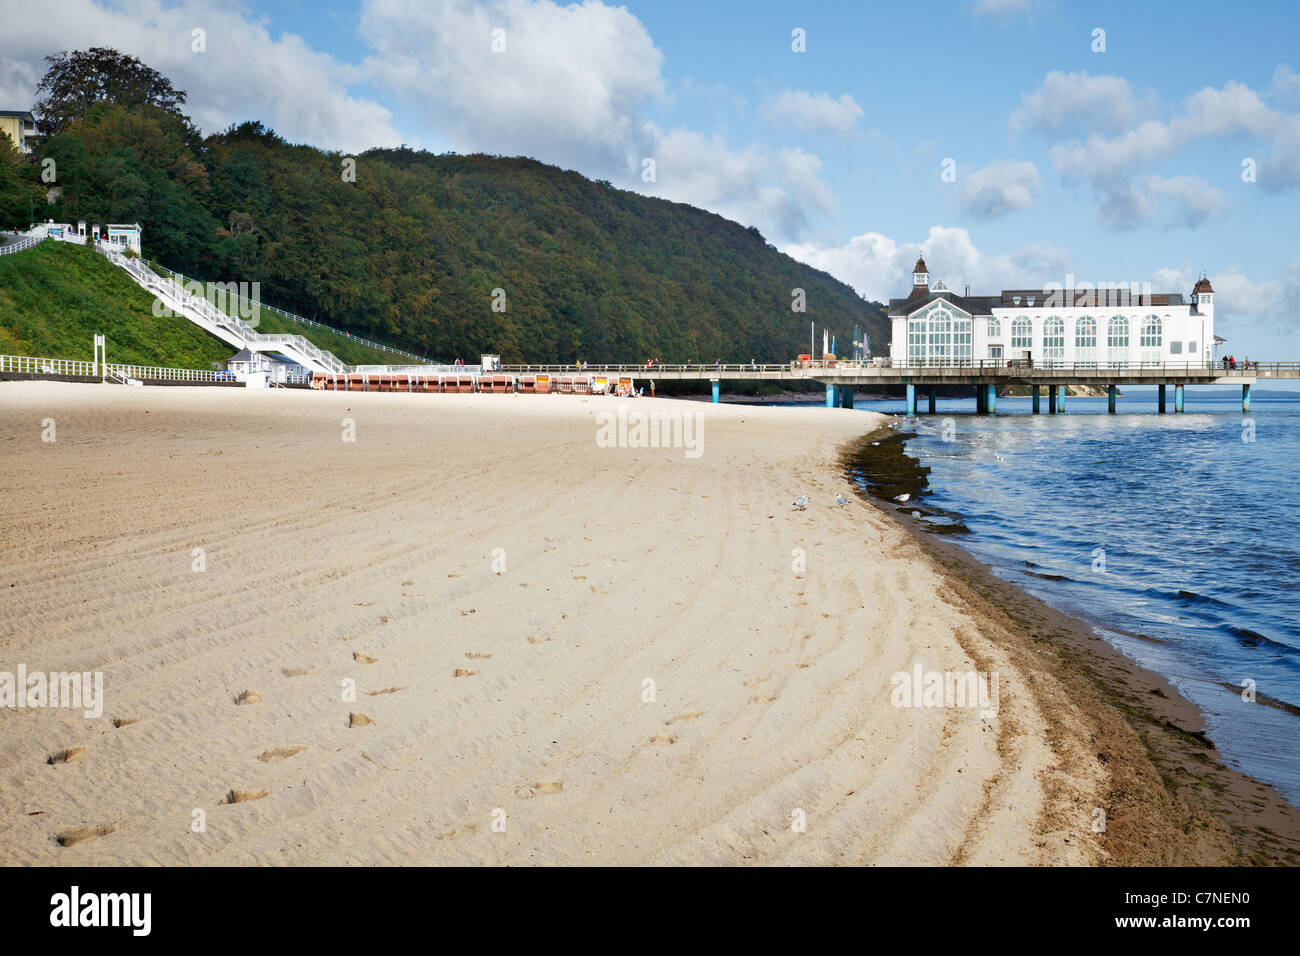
(1178, 398)
(830, 396)
(1036, 400)
(715, 392)
(911, 401)
(1160, 390)
(1051, 400)
(846, 396)
(1245, 398)
(991, 399)
(1111, 392)
(932, 398)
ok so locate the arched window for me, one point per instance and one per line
(938, 337)
(1022, 333)
(995, 328)
(1117, 340)
(1054, 340)
(1152, 339)
(1085, 341)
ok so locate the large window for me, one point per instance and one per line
(1085, 341)
(1022, 333)
(1117, 340)
(1152, 340)
(1054, 340)
(995, 328)
(938, 337)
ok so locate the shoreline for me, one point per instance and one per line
(1176, 801)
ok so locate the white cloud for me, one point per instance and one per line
(1003, 8)
(750, 186)
(1000, 188)
(1194, 200)
(1286, 85)
(569, 87)
(813, 112)
(1233, 110)
(1074, 100)
(880, 268)
(244, 74)
(1239, 299)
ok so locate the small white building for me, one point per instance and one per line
(246, 362)
(1073, 325)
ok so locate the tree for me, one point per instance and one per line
(76, 81)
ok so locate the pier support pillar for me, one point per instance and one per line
(1160, 391)
(1051, 400)
(830, 396)
(1178, 398)
(991, 399)
(1111, 392)
(715, 392)
(1245, 398)
(1037, 406)
(932, 398)
(911, 401)
(981, 399)
(846, 396)
(1060, 399)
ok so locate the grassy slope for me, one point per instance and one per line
(56, 297)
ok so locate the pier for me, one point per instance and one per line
(983, 379)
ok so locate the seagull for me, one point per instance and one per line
(841, 500)
(916, 514)
(903, 498)
(801, 502)
(874, 444)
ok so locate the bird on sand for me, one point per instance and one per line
(801, 502)
(841, 500)
(903, 498)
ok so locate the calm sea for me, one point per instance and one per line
(1178, 536)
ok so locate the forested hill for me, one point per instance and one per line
(411, 250)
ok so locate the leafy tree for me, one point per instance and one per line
(77, 80)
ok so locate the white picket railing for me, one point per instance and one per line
(51, 366)
(46, 366)
(30, 238)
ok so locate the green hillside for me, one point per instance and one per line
(54, 298)
(411, 251)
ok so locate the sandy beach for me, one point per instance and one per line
(475, 635)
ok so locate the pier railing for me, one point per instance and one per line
(725, 370)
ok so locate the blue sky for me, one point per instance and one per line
(1122, 165)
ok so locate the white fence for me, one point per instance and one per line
(50, 366)
(31, 238)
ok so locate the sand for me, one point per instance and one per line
(562, 653)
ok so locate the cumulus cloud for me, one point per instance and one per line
(1211, 113)
(813, 112)
(880, 268)
(1192, 198)
(751, 186)
(1000, 188)
(244, 74)
(565, 84)
(1238, 299)
(1077, 100)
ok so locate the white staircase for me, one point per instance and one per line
(229, 329)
